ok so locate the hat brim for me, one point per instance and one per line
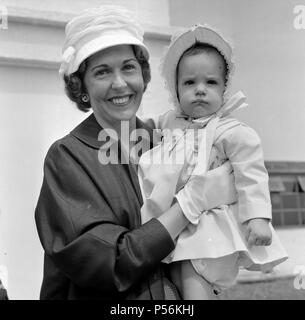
(102, 43)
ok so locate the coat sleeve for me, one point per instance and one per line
(243, 148)
(84, 238)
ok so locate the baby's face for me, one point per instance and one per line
(201, 83)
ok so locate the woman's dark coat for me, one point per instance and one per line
(88, 220)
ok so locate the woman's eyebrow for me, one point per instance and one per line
(99, 66)
(103, 65)
(128, 60)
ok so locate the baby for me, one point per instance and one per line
(199, 136)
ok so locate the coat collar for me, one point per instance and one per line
(88, 131)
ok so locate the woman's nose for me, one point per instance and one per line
(118, 82)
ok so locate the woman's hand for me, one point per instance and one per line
(204, 192)
(219, 187)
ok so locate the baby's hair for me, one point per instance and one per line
(200, 47)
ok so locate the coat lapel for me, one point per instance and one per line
(88, 132)
(132, 168)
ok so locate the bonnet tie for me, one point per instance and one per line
(235, 102)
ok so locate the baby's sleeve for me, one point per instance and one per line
(243, 148)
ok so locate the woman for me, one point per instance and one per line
(88, 212)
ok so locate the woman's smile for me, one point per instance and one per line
(121, 100)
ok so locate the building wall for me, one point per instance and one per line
(146, 11)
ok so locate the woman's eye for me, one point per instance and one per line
(129, 67)
(102, 72)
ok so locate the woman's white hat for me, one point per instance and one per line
(183, 41)
(97, 29)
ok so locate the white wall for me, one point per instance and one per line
(33, 115)
(270, 65)
(145, 10)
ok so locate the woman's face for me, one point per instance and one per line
(114, 82)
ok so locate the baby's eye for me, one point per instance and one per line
(188, 82)
(212, 82)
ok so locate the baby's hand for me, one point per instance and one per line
(258, 232)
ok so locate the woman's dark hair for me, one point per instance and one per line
(74, 83)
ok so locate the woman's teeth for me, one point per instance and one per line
(121, 100)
